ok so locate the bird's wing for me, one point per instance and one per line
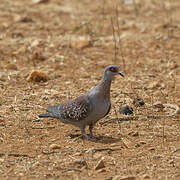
(72, 110)
(108, 111)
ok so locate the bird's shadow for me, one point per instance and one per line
(96, 139)
(107, 139)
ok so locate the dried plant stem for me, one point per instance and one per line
(115, 42)
(135, 8)
(119, 39)
(103, 16)
(67, 47)
(15, 155)
(166, 54)
(169, 18)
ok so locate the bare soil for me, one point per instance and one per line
(39, 37)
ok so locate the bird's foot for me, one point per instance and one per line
(90, 137)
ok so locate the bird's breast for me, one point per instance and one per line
(100, 109)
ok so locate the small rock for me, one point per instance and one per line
(24, 19)
(132, 133)
(158, 105)
(11, 66)
(138, 102)
(1, 139)
(100, 164)
(21, 174)
(146, 176)
(1, 160)
(153, 85)
(38, 56)
(158, 156)
(101, 170)
(173, 106)
(171, 161)
(142, 142)
(37, 76)
(79, 163)
(125, 109)
(80, 43)
(17, 18)
(40, 1)
(176, 150)
(54, 146)
(129, 144)
(17, 35)
(137, 145)
(151, 149)
(177, 111)
(135, 133)
(2, 77)
(173, 65)
(35, 43)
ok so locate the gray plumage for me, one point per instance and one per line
(86, 109)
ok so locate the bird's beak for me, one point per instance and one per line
(121, 74)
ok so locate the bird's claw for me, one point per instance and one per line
(90, 137)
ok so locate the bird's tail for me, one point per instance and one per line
(45, 115)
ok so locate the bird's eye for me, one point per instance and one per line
(113, 69)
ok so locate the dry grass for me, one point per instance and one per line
(36, 37)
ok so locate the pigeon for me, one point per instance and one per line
(88, 108)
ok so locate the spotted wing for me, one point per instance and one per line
(72, 110)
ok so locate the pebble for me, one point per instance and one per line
(125, 109)
(100, 164)
(54, 146)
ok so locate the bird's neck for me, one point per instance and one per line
(105, 86)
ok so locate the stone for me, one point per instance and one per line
(37, 76)
(125, 109)
(100, 164)
(54, 146)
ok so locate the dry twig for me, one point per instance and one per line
(15, 155)
(115, 42)
(119, 39)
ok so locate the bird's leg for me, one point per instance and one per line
(84, 133)
(91, 126)
(89, 137)
(90, 130)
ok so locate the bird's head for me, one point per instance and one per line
(111, 71)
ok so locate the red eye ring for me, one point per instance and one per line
(113, 69)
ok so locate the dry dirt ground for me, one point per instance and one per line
(72, 42)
